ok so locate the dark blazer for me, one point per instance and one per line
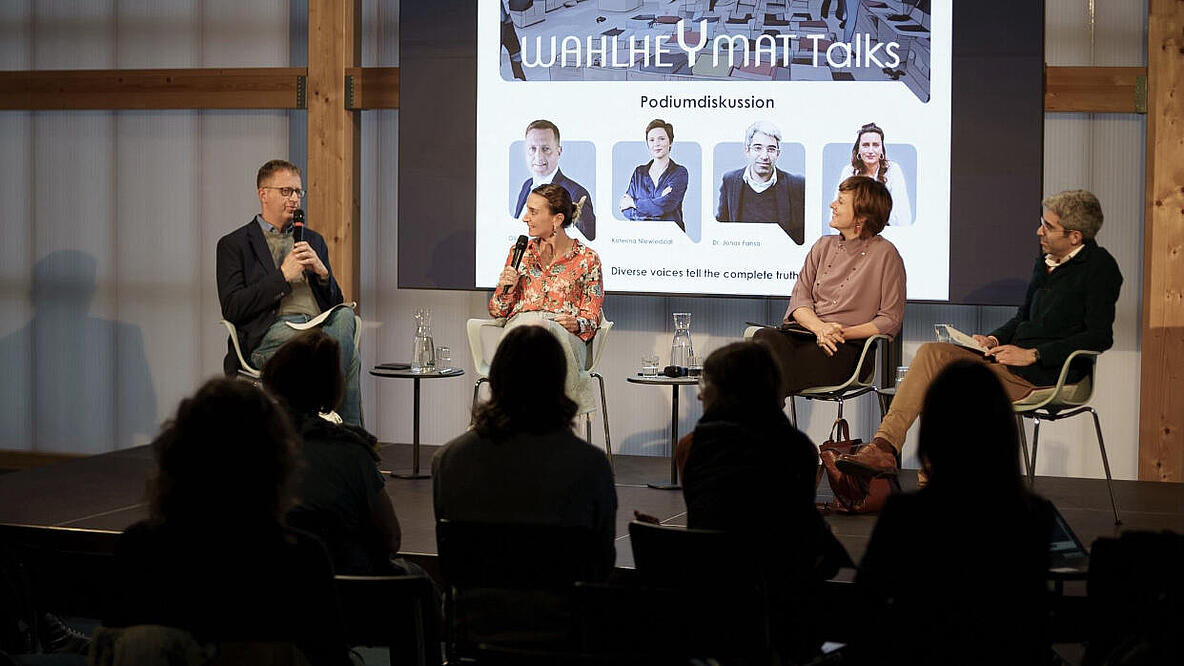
(586, 222)
(1069, 309)
(791, 202)
(250, 286)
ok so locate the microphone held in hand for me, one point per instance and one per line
(298, 225)
(516, 257)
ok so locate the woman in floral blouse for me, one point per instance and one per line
(557, 284)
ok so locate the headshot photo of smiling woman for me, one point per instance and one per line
(656, 189)
(869, 157)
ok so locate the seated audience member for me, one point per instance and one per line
(215, 558)
(955, 572)
(520, 462)
(750, 472)
(340, 494)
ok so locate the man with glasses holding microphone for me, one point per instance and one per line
(272, 273)
(760, 192)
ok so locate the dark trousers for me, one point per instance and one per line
(804, 364)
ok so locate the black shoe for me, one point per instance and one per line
(58, 637)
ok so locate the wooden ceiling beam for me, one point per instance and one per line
(1067, 89)
(114, 89)
(371, 88)
(1095, 89)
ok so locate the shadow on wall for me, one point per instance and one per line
(72, 382)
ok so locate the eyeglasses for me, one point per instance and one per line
(286, 192)
(762, 150)
(1048, 228)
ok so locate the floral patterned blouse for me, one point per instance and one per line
(570, 285)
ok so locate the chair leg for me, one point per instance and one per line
(1019, 424)
(1035, 443)
(793, 412)
(1105, 464)
(476, 389)
(840, 401)
(608, 442)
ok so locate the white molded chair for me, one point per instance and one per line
(246, 371)
(856, 385)
(595, 349)
(1058, 402)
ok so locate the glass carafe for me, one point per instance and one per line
(682, 354)
(423, 349)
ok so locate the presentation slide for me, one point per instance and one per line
(707, 138)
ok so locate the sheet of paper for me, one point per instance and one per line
(320, 319)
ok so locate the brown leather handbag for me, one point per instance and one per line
(853, 493)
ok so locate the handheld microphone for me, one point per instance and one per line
(516, 257)
(298, 225)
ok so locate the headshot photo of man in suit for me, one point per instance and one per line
(543, 150)
(760, 192)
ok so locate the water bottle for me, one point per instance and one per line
(423, 349)
(682, 353)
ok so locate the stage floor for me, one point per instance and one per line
(107, 492)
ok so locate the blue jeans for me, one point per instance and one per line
(340, 326)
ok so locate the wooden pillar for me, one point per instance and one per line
(1161, 400)
(334, 136)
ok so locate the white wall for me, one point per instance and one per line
(145, 195)
(113, 217)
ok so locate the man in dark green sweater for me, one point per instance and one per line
(1069, 306)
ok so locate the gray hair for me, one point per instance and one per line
(1078, 210)
(764, 127)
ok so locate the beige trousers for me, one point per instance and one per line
(931, 359)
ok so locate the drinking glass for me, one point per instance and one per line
(649, 365)
(940, 332)
(443, 358)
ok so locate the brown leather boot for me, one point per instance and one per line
(876, 459)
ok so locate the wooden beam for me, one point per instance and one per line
(335, 136)
(1095, 89)
(1079, 89)
(249, 88)
(1161, 400)
(371, 88)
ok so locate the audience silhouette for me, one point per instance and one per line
(750, 472)
(520, 462)
(340, 494)
(956, 572)
(215, 558)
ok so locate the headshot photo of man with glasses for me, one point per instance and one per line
(760, 192)
(272, 273)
